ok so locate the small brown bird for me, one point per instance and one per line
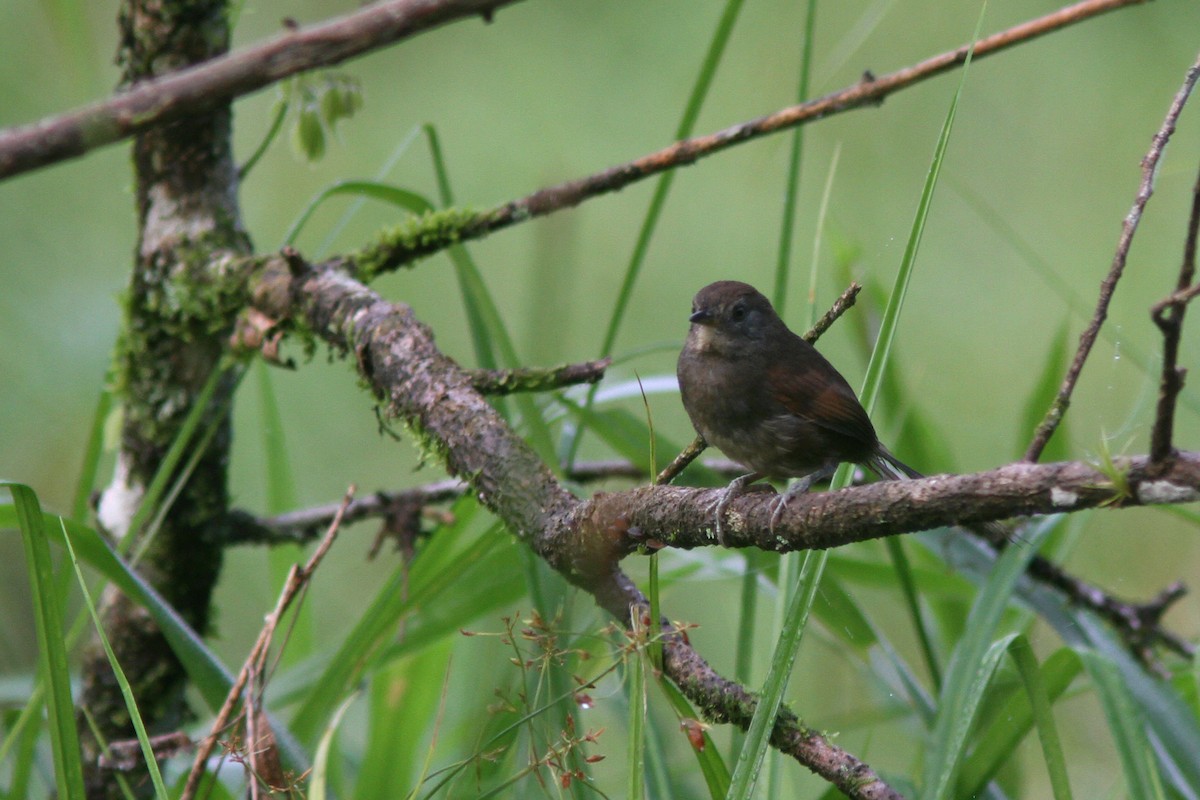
(769, 400)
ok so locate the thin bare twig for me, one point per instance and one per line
(392, 252)
(200, 88)
(534, 379)
(254, 664)
(1168, 316)
(1129, 226)
(678, 464)
(840, 306)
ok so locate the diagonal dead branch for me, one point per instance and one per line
(583, 540)
(1129, 226)
(395, 251)
(201, 88)
(434, 397)
(726, 701)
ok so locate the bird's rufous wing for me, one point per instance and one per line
(816, 397)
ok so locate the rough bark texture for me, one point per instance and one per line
(178, 316)
(435, 399)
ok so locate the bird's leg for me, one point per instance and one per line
(801, 486)
(735, 487)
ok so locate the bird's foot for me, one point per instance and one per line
(801, 486)
(736, 487)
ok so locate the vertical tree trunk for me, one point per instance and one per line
(175, 328)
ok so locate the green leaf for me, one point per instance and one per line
(1176, 731)
(1125, 723)
(52, 653)
(308, 135)
(1039, 700)
(402, 696)
(318, 785)
(997, 744)
(712, 767)
(373, 190)
(970, 667)
(92, 453)
(745, 770)
(135, 716)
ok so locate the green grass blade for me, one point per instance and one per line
(637, 663)
(712, 767)
(662, 188)
(205, 670)
(787, 227)
(92, 453)
(998, 743)
(691, 112)
(818, 235)
(278, 114)
(745, 770)
(135, 716)
(207, 673)
(783, 259)
(441, 570)
(908, 587)
(797, 616)
(887, 330)
(747, 617)
(1125, 722)
(950, 733)
(318, 785)
(26, 743)
(52, 653)
(401, 697)
(965, 681)
(374, 190)
(1039, 701)
(1175, 730)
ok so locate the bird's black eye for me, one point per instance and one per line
(738, 312)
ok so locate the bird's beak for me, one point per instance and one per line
(702, 316)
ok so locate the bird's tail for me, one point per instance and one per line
(888, 467)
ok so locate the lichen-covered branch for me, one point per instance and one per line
(434, 398)
(682, 517)
(534, 379)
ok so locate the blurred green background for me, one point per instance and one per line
(1047, 145)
